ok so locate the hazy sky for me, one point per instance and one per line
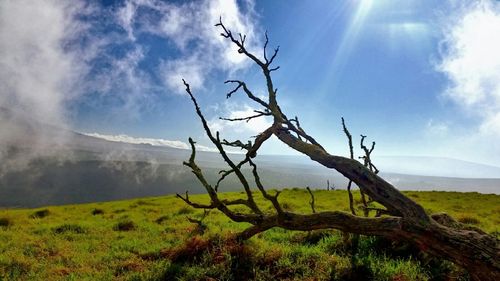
(419, 77)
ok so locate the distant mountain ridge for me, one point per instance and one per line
(411, 165)
(78, 168)
(436, 166)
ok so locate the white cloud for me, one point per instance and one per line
(152, 141)
(471, 61)
(130, 87)
(436, 128)
(139, 140)
(413, 32)
(189, 68)
(232, 111)
(173, 24)
(491, 125)
(192, 24)
(125, 17)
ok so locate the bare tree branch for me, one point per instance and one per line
(299, 131)
(367, 157)
(259, 140)
(312, 200)
(366, 210)
(247, 91)
(274, 68)
(195, 205)
(225, 173)
(200, 225)
(351, 151)
(368, 163)
(237, 143)
(218, 144)
(260, 186)
(274, 55)
(248, 118)
(265, 47)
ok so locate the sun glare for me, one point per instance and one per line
(360, 11)
(351, 33)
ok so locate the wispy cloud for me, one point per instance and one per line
(129, 88)
(190, 68)
(229, 110)
(471, 61)
(191, 24)
(152, 141)
(437, 129)
(37, 71)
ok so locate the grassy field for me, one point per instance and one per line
(151, 239)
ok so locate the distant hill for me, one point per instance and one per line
(43, 164)
(436, 166)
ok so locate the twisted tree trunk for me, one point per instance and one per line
(474, 250)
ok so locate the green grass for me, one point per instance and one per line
(151, 239)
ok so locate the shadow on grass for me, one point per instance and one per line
(218, 258)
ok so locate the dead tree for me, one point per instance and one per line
(403, 218)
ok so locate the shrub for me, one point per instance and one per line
(185, 210)
(97, 212)
(145, 203)
(5, 222)
(40, 214)
(170, 229)
(125, 225)
(287, 206)
(161, 219)
(269, 258)
(190, 251)
(129, 266)
(356, 272)
(72, 228)
(15, 269)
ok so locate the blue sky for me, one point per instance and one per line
(418, 77)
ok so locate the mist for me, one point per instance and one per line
(39, 72)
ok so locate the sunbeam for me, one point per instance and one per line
(347, 43)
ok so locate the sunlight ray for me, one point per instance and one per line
(348, 41)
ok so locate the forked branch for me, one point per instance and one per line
(351, 153)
